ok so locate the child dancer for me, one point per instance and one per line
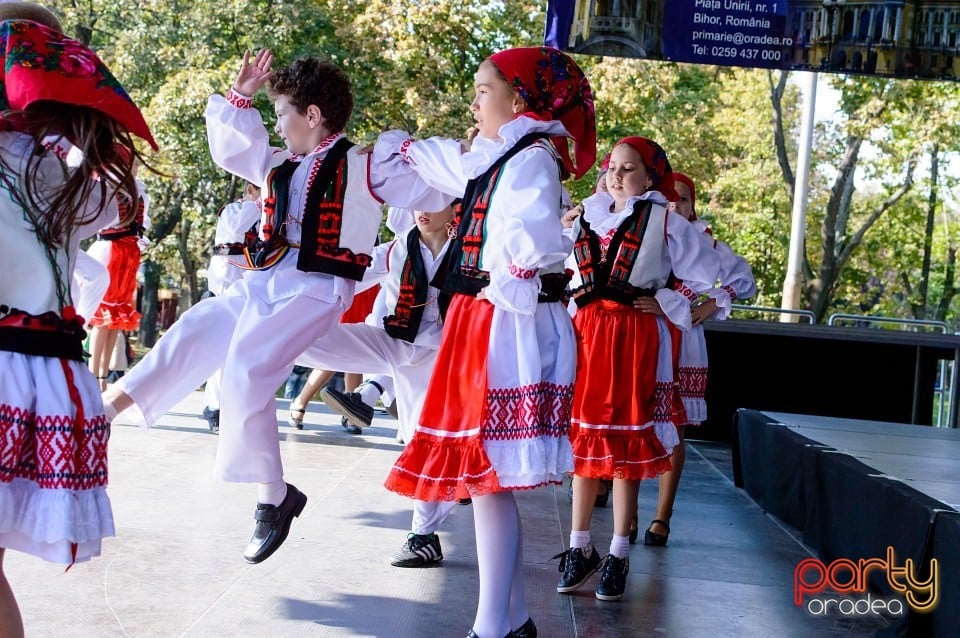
(627, 248)
(320, 221)
(118, 248)
(53, 434)
(400, 340)
(496, 413)
(736, 282)
(234, 221)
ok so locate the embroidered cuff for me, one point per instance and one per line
(523, 273)
(239, 100)
(685, 290)
(730, 291)
(404, 147)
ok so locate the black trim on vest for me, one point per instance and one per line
(602, 288)
(449, 277)
(406, 328)
(308, 260)
(279, 191)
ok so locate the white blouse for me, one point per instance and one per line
(26, 275)
(524, 237)
(688, 254)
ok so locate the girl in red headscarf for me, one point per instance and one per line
(627, 251)
(735, 282)
(53, 433)
(496, 415)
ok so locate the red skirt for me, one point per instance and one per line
(117, 311)
(620, 404)
(361, 307)
(445, 460)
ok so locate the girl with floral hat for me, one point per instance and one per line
(496, 415)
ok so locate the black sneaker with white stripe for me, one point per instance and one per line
(419, 550)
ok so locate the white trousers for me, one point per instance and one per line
(254, 342)
(361, 348)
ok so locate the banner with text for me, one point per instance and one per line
(877, 38)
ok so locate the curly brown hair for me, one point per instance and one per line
(311, 80)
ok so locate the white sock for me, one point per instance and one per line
(110, 412)
(368, 393)
(620, 546)
(271, 493)
(579, 539)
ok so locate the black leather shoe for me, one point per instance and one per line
(273, 525)
(473, 634)
(526, 630)
(349, 405)
(657, 540)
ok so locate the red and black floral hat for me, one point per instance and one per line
(38, 63)
(554, 88)
(680, 177)
(656, 163)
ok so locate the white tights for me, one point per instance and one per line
(502, 605)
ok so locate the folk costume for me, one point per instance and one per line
(735, 282)
(496, 413)
(302, 278)
(53, 433)
(622, 423)
(118, 248)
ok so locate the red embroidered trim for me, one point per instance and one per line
(327, 142)
(56, 452)
(685, 290)
(239, 100)
(523, 273)
(730, 291)
(404, 147)
(692, 381)
(533, 411)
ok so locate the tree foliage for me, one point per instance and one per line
(880, 237)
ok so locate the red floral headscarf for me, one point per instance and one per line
(656, 163)
(554, 88)
(38, 63)
(680, 177)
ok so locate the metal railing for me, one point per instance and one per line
(805, 314)
(939, 325)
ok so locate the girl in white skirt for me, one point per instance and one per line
(53, 434)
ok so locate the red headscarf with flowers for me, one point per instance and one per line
(680, 177)
(554, 88)
(656, 163)
(38, 63)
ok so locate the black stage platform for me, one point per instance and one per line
(855, 489)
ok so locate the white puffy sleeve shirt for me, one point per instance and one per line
(523, 234)
(736, 280)
(26, 274)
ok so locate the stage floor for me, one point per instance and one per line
(175, 566)
(925, 458)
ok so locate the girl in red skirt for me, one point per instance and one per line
(497, 410)
(118, 248)
(627, 250)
